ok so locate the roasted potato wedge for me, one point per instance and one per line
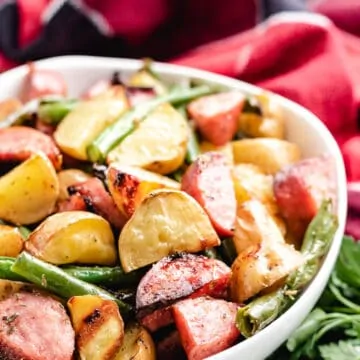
(255, 226)
(158, 144)
(68, 178)
(11, 241)
(260, 266)
(251, 182)
(226, 150)
(129, 185)
(9, 287)
(137, 344)
(82, 125)
(268, 123)
(34, 186)
(166, 222)
(269, 154)
(98, 325)
(73, 237)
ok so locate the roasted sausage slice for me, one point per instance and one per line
(217, 116)
(300, 188)
(35, 327)
(99, 201)
(18, 143)
(206, 326)
(208, 180)
(176, 277)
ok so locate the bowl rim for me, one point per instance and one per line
(290, 319)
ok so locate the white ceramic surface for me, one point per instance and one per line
(303, 128)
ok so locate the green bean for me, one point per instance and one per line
(57, 281)
(24, 231)
(105, 276)
(263, 310)
(193, 149)
(115, 133)
(112, 277)
(5, 269)
(53, 111)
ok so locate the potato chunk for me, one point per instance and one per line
(268, 123)
(158, 144)
(264, 257)
(98, 325)
(28, 193)
(11, 241)
(129, 185)
(166, 222)
(251, 182)
(226, 150)
(73, 237)
(259, 267)
(137, 344)
(82, 125)
(269, 154)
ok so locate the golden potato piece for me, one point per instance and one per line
(28, 193)
(158, 144)
(73, 237)
(137, 344)
(269, 124)
(144, 78)
(129, 185)
(259, 267)
(70, 177)
(206, 146)
(11, 241)
(98, 325)
(166, 222)
(255, 226)
(269, 154)
(251, 182)
(82, 125)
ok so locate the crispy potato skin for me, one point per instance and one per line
(98, 325)
(70, 177)
(166, 222)
(137, 344)
(129, 186)
(216, 116)
(158, 144)
(73, 237)
(208, 180)
(269, 154)
(34, 185)
(11, 241)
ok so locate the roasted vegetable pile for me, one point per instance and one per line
(145, 220)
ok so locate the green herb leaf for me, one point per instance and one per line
(343, 350)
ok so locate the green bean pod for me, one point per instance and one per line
(53, 111)
(126, 124)
(263, 310)
(57, 281)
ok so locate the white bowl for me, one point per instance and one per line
(303, 128)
